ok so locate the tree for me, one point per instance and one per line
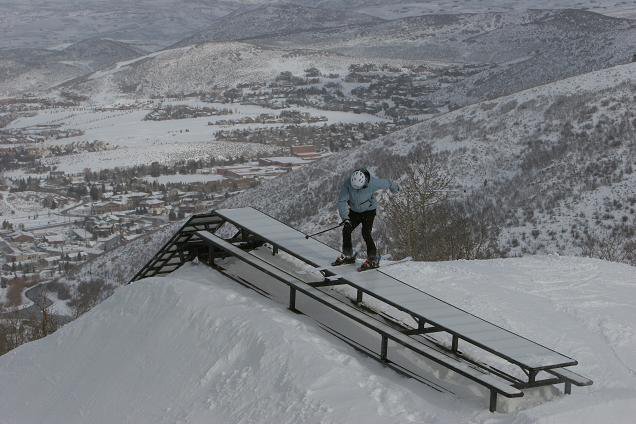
(95, 193)
(424, 223)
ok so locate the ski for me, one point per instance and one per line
(345, 260)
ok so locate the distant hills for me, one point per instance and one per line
(521, 49)
(31, 70)
(272, 20)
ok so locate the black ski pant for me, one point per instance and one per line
(357, 218)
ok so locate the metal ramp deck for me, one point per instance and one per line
(253, 228)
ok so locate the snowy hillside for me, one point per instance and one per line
(524, 48)
(393, 9)
(150, 23)
(196, 347)
(28, 70)
(558, 158)
(206, 66)
(159, 23)
(515, 50)
(273, 20)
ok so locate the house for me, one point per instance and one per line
(136, 198)
(306, 152)
(108, 207)
(13, 254)
(55, 239)
(154, 206)
(22, 237)
(82, 235)
(110, 242)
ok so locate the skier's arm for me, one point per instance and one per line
(343, 203)
(382, 184)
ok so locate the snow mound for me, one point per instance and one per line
(196, 347)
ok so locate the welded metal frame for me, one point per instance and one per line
(332, 278)
(297, 286)
(185, 245)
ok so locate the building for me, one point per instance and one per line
(283, 161)
(108, 207)
(135, 198)
(14, 254)
(55, 239)
(251, 171)
(22, 237)
(306, 152)
(82, 235)
(154, 206)
(110, 242)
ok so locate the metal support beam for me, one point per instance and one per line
(292, 299)
(274, 250)
(568, 388)
(455, 343)
(327, 283)
(359, 296)
(493, 400)
(384, 347)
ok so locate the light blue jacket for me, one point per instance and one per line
(362, 200)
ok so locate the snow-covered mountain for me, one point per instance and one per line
(271, 20)
(555, 161)
(520, 50)
(152, 23)
(204, 67)
(159, 23)
(196, 347)
(30, 70)
(393, 9)
(524, 49)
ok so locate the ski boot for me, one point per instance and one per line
(370, 263)
(343, 259)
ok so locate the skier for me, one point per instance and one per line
(357, 205)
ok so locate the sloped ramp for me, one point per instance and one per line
(252, 228)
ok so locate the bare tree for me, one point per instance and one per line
(423, 221)
(411, 210)
(615, 244)
(43, 322)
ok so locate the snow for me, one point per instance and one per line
(196, 347)
(185, 178)
(395, 10)
(133, 141)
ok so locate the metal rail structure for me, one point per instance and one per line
(249, 229)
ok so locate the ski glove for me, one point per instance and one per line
(346, 224)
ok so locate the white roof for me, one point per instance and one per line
(287, 159)
(83, 234)
(55, 238)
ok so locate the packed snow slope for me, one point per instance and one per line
(195, 347)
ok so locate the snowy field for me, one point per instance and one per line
(136, 141)
(25, 208)
(196, 347)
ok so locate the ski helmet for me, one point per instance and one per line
(359, 179)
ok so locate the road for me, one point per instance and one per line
(34, 294)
